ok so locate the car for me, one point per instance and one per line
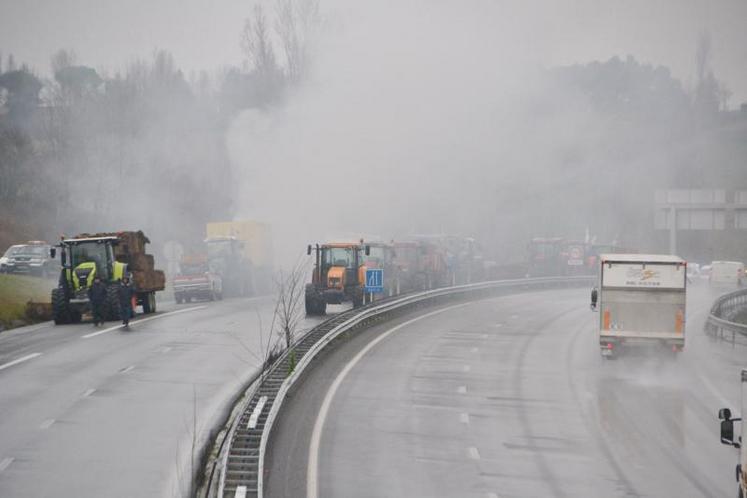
(6, 257)
(32, 258)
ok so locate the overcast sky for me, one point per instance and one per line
(204, 34)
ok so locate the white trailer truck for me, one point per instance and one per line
(641, 302)
(727, 437)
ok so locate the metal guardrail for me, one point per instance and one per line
(240, 464)
(720, 322)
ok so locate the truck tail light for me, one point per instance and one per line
(606, 320)
(610, 345)
(679, 321)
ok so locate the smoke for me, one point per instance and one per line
(400, 129)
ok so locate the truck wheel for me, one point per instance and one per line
(113, 310)
(60, 310)
(149, 303)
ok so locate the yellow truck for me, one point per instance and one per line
(241, 252)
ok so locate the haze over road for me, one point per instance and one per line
(510, 397)
(89, 414)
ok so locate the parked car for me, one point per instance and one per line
(31, 259)
(6, 257)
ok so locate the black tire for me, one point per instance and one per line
(113, 310)
(60, 308)
(75, 316)
(149, 303)
(322, 307)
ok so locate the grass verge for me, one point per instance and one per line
(15, 292)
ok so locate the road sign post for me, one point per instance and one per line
(374, 282)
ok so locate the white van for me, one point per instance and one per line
(727, 273)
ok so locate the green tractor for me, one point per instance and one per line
(82, 260)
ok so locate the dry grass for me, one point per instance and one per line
(15, 292)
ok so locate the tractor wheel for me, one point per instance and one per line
(60, 308)
(321, 307)
(113, 310)
(75, 316)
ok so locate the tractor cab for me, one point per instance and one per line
(339, 275)
(84, 259)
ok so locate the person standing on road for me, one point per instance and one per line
(97, 295)
(126, 292)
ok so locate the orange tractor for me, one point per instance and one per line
(339, 276)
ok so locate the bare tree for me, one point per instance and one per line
(257, 44)
(288, 312)
(296, 24)
(62, 59)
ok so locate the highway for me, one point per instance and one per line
(107, 412)
(508, 397)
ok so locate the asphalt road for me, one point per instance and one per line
(105, 412)
(509, 397)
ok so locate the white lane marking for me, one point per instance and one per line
(240, 492)
(492, 495)
(498, 325)
(466, 368)
(474, 350)
(254, 417)
(166, 349)
(462, 389)
(464, 418)
(88, 393)
(127, 369)
(312, 471)
(514, 317)
(47, 424)
(20, 360)
(473, 453)
(6, 463)
(484, 336)
(142, 320)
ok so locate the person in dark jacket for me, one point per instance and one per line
(97, 295)
(126, 292)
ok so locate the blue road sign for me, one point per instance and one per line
(375, 281)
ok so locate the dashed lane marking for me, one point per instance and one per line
(88, 393)
(6, 463)
(464, 418)
(473, 453)
(47, 424)
(20, 360)
(462, 389)
(127, 369)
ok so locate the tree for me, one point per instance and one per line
(23, 89)
(288, 312)
(296, 24)
(257, 45)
